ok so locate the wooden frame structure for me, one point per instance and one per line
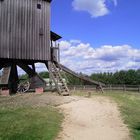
(26, 39)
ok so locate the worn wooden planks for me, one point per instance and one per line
(25, 29)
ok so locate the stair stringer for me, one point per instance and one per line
(57, 79)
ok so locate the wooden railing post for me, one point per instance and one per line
(74, 88)
(110, 87)
(139, 88)
(124, 88)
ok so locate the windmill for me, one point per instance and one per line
(26, 39)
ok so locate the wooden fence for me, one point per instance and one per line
(135, 88)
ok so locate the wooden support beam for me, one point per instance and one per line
(33, 67)
(35, 80)
(6, 64)
(13, 79)
(1, 67)
(27, 69)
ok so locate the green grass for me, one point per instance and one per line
(40, 123)
(129, 104)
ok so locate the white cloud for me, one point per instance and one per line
(75, 41)
(95, 8)
(65, 45)
(84, 58)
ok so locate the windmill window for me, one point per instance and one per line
(38, 6)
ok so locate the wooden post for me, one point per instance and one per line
(124, 88)
(13, 79)
(89, 94)
(33, 67)
(110, 87)
(138, 88)
(74, 88)
(59, 53)
(84, 88)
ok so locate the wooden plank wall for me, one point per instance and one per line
(25, 29)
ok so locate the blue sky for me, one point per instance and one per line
(119, 26)
(98, 35)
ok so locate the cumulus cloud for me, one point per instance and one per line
(82, 57)
(95, 8)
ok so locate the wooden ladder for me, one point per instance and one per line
(58, 79)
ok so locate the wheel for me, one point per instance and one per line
(23, 87)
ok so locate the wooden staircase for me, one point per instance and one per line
(58, 79)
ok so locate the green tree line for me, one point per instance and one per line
(129, 77)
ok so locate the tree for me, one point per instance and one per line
(130, 77)
(44, 74)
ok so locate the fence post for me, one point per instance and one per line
(84, 88)
(138, 88)
(124, 88)
(110, 87)
(74, 88)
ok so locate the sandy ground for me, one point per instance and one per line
(93, 119)
(34, 100)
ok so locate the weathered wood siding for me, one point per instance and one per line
(25, 29)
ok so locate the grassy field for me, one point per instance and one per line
(129, 104)
(29, 123)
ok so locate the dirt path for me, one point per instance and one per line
(93, 119)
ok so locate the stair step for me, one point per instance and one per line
(65, 94)
(63, 89)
